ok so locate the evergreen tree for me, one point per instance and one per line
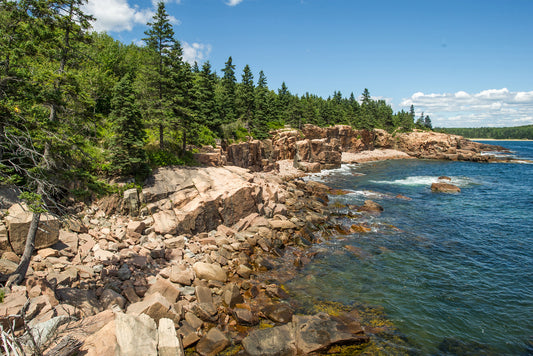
(427, 122)
(263, 109)
(246, 95)
(128, 154)
(159, 42)
(227, 96)
(205, 98)
(420, 121)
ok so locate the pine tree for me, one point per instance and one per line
(128, 154)
(227, 96)
(246, 95)
(427, 122)
(205, 107)
(262, 110)
(159, 42)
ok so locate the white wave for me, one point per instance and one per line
(366, 193)
(427, 181)
(345, 169)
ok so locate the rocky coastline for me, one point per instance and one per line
(180, 266)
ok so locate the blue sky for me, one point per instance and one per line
(466, 63)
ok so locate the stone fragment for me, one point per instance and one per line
(175, 242)
(209, 271)
(182, 275)
(11, 256)
(130, 202)
(212, 343)
(188, 335)
(156, 306)
(7, 267)
(136, 227)
(193, 320)
(231, 295)
(84, 300)
(18, 224)
(274, 341)
(168, 342)
(203, 295)
(136, 335)
(131, 296)
(109, 298)
(10, 308)
(165, 222)
(4, 242)
(42, 332)
(282, 224)
(244, 316)
(279, 312)
(48, 252)
(167, 289)
(371, 206)
(244, 271)
(103, 342)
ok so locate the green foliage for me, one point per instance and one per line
(34, 201)
(206, 137)
(235, 131)
(128, 155)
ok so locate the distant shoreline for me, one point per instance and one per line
(498, 139)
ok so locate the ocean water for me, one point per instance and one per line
(447, 269)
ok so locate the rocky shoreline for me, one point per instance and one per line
(179, 265)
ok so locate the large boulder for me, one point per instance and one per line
(169, 344)
(200, 199)
(136, 335)
(18, 224)
(314, 333)
(274, 341)
(209, 271)
(131, 202)
(445, 188)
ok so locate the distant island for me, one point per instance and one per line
(497, 133)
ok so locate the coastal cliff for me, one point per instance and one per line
(314, 148)
(181, 263)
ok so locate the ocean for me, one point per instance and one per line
(452, 272)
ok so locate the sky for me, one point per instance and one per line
(465, 63)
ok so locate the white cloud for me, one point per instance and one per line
(491, 107)
(233, 2)
(195, 52)
(116, 15)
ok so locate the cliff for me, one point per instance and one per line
(314, 148)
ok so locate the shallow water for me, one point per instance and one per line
(448, 269)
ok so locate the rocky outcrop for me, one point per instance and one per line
(197, 200)
(315, 148)
(445, 188)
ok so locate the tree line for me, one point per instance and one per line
(498, 133)
(76, 104)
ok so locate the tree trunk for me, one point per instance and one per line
(22, 268)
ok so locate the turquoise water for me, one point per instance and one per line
(446, 268)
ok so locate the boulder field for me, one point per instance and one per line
(176, 265)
